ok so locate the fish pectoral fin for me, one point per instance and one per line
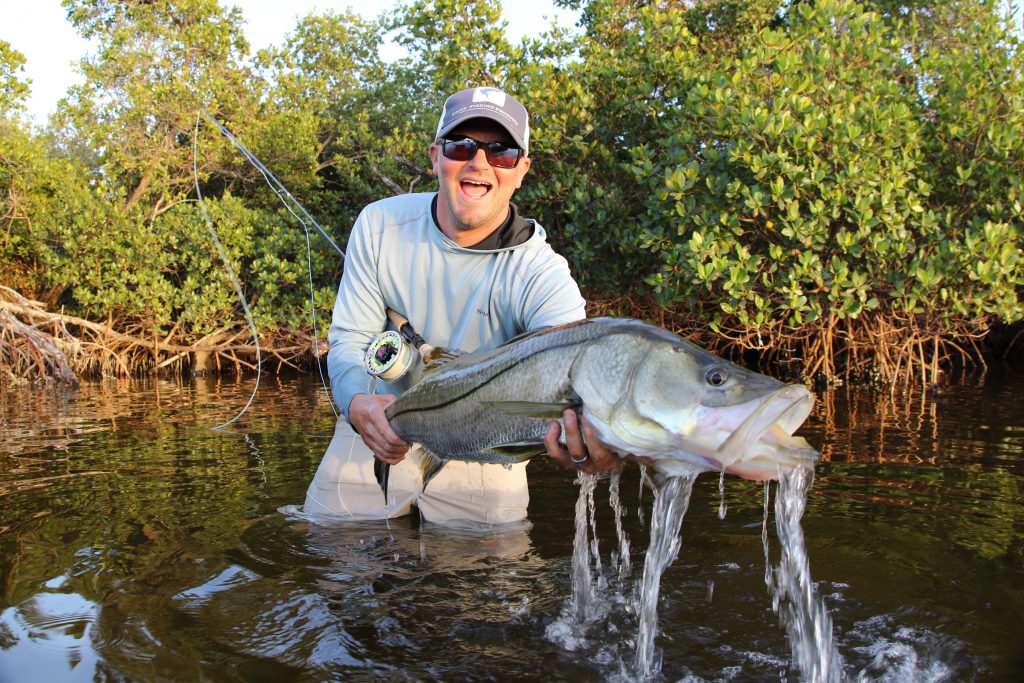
(518, 452)
(430, 465)
(438, 357)
(543, 411)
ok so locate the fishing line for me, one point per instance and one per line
(231, 272)
(276, 185)
(312, 314)
(288, 200)
(293, 207)
(254, 451)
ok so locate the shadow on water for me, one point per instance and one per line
(136, 543)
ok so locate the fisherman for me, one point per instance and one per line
(470, 273)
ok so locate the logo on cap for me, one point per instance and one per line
(493, 96)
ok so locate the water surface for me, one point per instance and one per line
(137, 543)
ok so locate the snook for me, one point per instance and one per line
(647, 391)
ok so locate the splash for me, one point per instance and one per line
(801, 610)
(583, 581)
(584, 618)
(671, 501)
(794, 598)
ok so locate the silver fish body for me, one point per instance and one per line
(646, 391)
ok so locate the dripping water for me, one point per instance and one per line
(671, 499)
(583, 584)
(721, 495)
(794, 598)
(621, 560)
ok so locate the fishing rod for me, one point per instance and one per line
(295, 208)
(276, 185)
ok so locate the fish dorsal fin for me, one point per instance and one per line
(430, 465)
(437, 358)
(544, 411)
(526, 335)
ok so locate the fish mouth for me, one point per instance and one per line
(763, 446)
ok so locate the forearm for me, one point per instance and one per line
(358, 316)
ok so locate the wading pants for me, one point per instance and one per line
(345, 487)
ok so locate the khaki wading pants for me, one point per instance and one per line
(345, 487)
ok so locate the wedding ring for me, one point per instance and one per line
(574, 461)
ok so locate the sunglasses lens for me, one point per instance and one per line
(459, 150)
(497, 154)
(502, 156)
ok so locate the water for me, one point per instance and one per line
(794, 596)
(137, 544)
(672, 498)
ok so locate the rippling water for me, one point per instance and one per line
(137, 543)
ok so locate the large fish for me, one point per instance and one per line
(646, 391)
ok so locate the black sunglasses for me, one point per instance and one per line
(498, 153)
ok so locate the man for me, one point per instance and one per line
(469, 273)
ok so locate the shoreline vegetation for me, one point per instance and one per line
(39, 345)
(830, 191)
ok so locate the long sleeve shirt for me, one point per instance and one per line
(469, 299)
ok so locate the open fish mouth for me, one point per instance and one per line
(763, 445)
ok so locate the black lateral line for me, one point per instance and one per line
(490, 379)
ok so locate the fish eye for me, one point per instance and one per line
(716, 377)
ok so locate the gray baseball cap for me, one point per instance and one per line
(486, 103)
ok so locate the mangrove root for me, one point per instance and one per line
(36, 343)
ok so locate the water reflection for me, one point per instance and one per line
(136, 543)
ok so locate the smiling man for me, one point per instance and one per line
(469, 273)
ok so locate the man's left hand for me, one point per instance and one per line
(582, 449)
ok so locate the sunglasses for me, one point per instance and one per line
(498, 153)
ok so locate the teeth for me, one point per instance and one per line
(476, 188)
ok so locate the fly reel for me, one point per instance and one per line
(388, 356)
(391, 354)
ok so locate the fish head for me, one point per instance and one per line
(763, 445)
(678, 384)
(693, 411)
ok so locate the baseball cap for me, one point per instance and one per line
(486, 103)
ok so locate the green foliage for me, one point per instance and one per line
(157, 64)
(40, 194)
(825, 161)
(322, 84)
(764, 164)
(455, 43)
(12, 90)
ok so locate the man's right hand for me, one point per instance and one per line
(366, 413)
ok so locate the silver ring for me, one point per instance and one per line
(574, 461)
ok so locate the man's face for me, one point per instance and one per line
(473, 196)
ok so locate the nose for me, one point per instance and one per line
(479, 159)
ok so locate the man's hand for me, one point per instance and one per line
(582, 448)
(366, 413)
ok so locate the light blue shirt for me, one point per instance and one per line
(454, 297)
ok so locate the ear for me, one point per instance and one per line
(524, 166)
(435, 152)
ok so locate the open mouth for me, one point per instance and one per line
(475, 189)
(768, 430)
